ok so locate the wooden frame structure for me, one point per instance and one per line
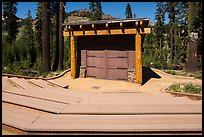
(138, 26)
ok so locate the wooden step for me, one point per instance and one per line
(44, 95)
(23, 83)
(54, 82)
(43, 83)
(40, 104)
(112, 123)
(134, 109)
(18, 117)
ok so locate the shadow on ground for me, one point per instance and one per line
(147, 74)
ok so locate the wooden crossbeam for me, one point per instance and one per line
(121, 26)
(94, 27)
(81, 27)
(70, 28)
(105, 32)
(107, 27)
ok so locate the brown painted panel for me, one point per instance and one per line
(117, 74)
(111, 73)
(116, 62)
(96, 62)
(122, 74)
(100, 73)
(106, 55)
(91, 72)
(116, 53)
(96, 53)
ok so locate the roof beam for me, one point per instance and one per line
(105, 32)
(121, 26)
(94, 28)
(107, 27)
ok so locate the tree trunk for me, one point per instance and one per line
(61, 38)
(175, 48)
(171, 55)
(160, 47)
(45, 38)
(56, 62)
(192, 63)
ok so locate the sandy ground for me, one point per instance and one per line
(154, 85)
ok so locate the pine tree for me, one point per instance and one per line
(196, 25)
(38, 29)
(11, 25)
(29, 40)
(128, 11)
(98, 11)
(160, 26)
(171, 9)
(92, 6)
(45, 38)
(61, 38)
(56, 61)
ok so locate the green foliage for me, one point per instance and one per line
(92, 6)
(67, 55)
(186, 88)
(175, 87)
(197, 74)
(96, 11)
(195, 89)
(10, 22)
(128, 11)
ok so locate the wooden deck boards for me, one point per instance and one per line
(62, 85)
(73, 111)
(127, 123)
(59, 90)
(35, 103)
(136, 109)
(23, 83)
(43, 84)
(45, 95)
(18, 117)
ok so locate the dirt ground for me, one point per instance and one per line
(155, 81)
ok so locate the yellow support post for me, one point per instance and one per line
(73, 57)
(138, 58)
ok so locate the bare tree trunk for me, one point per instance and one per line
(171, 55)
(45, 38)
(175, 48)
(61, 38)
(160, 47)
(56, 62)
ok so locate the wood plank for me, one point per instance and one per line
(23, 83)
(19, 117)
(123, 109)
(43, 83)
(105, 32)
(60, 91)
(117, 123)
(6, 84)
(35, 103)
(55, 90)
(53, 82)
(45, 95)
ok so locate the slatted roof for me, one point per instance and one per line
(107, 27)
